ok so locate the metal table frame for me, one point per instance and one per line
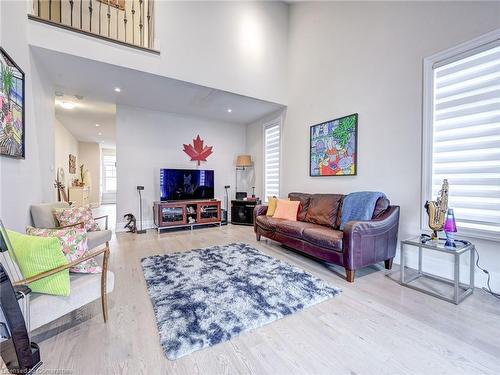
(461, 291)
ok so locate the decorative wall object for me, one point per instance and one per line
(120, 4)
(197, 151)
(334, 147)
(72, 164)
(11, 108)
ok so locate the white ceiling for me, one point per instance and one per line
(81, 121)
(96, 81)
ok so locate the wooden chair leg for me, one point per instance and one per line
(388, 263)
(350, 275)
(104, 276)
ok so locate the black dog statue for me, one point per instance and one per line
(131, 225)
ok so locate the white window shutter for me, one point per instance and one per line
(466, 138)
(272, 158)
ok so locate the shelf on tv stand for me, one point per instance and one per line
(174, 214)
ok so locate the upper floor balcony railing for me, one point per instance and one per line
(127, 22)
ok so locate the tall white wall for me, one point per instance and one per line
(23, 182)
(348, 57)
(234, 46)
(64, 144)
(89, 154)
(148, 141)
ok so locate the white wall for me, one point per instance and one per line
(89, 154)
(234, 46)
(64, 144)
(23, 182)
(367, 58)
(148, 140)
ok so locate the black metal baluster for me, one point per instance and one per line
(149, 23)
(38, 10)
(50, 10)
(133, 23)
(109, 18)
(90, 15)
(71, 3)
(60, 11)
(81, 14)
(141, 18)
(117, 15)
(100, 5)
(125, 23)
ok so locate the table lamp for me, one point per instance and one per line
(450, 228)
(242, 162)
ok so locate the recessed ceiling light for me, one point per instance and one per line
(117, 89)
(102, 141)
(229, 110)
(99, 133)
(67, 105)
(97, 125)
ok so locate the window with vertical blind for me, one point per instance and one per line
(272, 153)
(463, 134)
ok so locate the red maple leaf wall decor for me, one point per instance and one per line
(197, 151)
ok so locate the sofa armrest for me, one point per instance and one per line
(66, 266)
(371, 241)
(81, 224)
(260, 210)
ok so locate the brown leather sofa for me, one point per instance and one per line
(316, 232)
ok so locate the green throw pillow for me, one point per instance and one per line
(39, 254)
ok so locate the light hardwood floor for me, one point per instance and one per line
(374, 327)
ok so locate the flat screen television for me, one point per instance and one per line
(185, 184)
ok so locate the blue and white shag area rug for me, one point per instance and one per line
(206, 296)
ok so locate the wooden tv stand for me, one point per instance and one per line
(188, 213)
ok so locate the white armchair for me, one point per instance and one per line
(85, 288)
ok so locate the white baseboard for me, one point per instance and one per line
(146, 224)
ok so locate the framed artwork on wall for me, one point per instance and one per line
(72, 164)
(334, 147)
(11, 108)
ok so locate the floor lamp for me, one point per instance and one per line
(226, 203)
(242, 162)
(139, 189)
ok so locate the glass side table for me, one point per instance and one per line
(460, 291)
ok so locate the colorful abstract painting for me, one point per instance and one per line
(11, 107)
(334, 147)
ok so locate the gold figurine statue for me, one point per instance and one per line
(437, 210)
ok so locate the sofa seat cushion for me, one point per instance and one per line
(324, 237)
(293, 228)
(85, 288)
(285, 227)
(98, 238)
(268, 223)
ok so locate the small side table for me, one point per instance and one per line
(461, 291)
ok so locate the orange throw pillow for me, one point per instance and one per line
(287, 210)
